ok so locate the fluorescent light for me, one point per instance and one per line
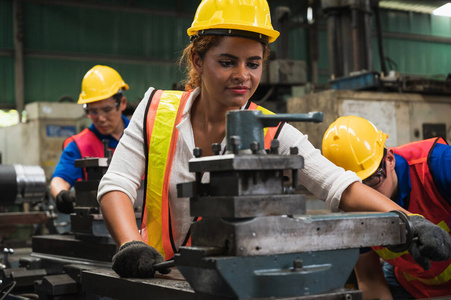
(310, 15)
(444, 10)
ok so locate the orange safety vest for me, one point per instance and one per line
(426, 200)
(88, 144)
(163, 113)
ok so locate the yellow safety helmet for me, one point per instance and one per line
(355, 144)
(234, 18)
(100, 83)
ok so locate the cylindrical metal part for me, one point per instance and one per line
(19, 184)
(246, 125)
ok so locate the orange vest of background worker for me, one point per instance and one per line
(156, 223)
(426, 200)
(416, 176)
(88, 144)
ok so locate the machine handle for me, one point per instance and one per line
(408, 231)
(164, 265)
(274, 120)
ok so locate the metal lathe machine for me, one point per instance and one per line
(254, 239)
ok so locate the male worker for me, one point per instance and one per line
(103, 101)
(417, 176)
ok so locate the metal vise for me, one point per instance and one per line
(254, 239)
(87, 219)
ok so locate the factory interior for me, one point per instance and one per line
(257, 232)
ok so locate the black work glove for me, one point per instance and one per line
(65, 201)
(430, 242)
(135, 259)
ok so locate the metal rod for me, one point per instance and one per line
(164, 265)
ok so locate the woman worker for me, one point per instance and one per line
(229, 46)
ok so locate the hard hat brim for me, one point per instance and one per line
(271, 34)
(113, 91)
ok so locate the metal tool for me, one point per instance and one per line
(164, 265)
(248, 125)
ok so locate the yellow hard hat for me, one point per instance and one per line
(355, 144)
(100, 83)
(235, 18)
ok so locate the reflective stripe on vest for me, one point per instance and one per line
(163, 115)
(165, 112)
(426, 200)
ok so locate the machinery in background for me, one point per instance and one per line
(349, 35)
(349, 31)
(39, 139)
(53, 269)
(281, 73)
(394, 82)
(254, 239)
(408, 108)
(21, 186)
(406, 117)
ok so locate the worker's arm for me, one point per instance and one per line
(433, 243)
(359, 197)
(57, 184)
(119, 217)
(135, 258)
(370, 277)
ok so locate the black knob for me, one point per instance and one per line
(275, 147)
(216, 148)
(294, 150)
(235, 141)
(255, 146)
(197, 152)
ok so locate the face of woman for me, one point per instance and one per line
(231, 71)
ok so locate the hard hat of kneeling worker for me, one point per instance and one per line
(355, 144)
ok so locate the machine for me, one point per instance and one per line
(20, 186)
(406, 117)
(254, 239)
(53, 269)
(46, 127)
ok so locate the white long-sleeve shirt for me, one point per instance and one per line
(321, 177)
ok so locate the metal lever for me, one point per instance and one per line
(408, 232)
(273, 120)
(164, 265)
(249, 125)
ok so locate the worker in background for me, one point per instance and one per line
(230, 43)
(103, 101)
(417, 177)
